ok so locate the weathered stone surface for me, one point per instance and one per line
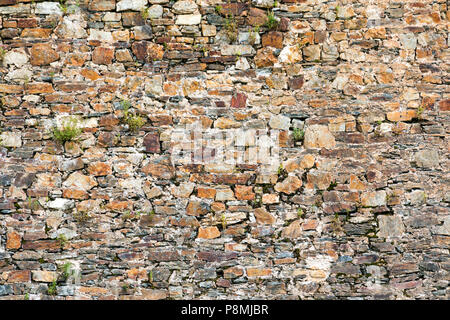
(208, 233)
(373, 199)
(48, 8)
(292, 231)
(44, 276)
(13, 240)
(189, 19)
(79, 181)
(42, 54)
(184, 7)
(390, 226)
(16, 56)
(428, 158)
(11, 139)
(264, 217)
(318, 136)
(103, 55)
(136, 5)
(290, 185)
(61, 204)
(280, 122)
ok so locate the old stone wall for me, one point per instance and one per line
(358, 207)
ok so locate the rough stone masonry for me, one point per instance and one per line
(358, 208)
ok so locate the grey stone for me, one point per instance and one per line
(390, 226)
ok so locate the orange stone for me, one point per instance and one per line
(401, 115)
(208, 233)
(19, 276)
(244, 192)
(207, 193)
(39, 87)
(90, 74)
(263, 217)
(13, 240)
(99, 169)
(102, 55)
(75, 194)
(258, 272)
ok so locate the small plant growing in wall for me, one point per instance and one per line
(145, 13)
(252, 35)
(298, 134)
(272, 22)
(2, 54)
(68, 131)
(134, 121)
(231, 28)
(51, 291)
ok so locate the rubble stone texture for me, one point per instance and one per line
(358, 210)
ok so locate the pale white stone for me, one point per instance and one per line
(184, 7)
(99, 35)
(48, 8)
(156, 11)
(279, 122)
(61, 204)
(234, 50)
(189, 19)
(135, 5)
(17, 57)
(290, 54)
(11, 139)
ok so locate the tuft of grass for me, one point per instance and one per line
(81, 217)
(2, 54)
(272, 22)
(223, 220)
(145, 13)
(298, 134)
(51, 291)
(62, 240)
(134, 121)
(68, 131)
(252, 35)
(231, 28)
(300, 212)
(218, 9)
(66, 270)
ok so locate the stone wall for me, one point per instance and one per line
(358, 207)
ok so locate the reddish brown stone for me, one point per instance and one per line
(102, 55)
(13, 240)
(19, 276)
(239, 101)
(444, 105)
(273, 39)
(296, 82)
(131, 19)
(264, 217)
(27, 23)
(151, 142)
(42, 54)
(90, 74)
(197, 208)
